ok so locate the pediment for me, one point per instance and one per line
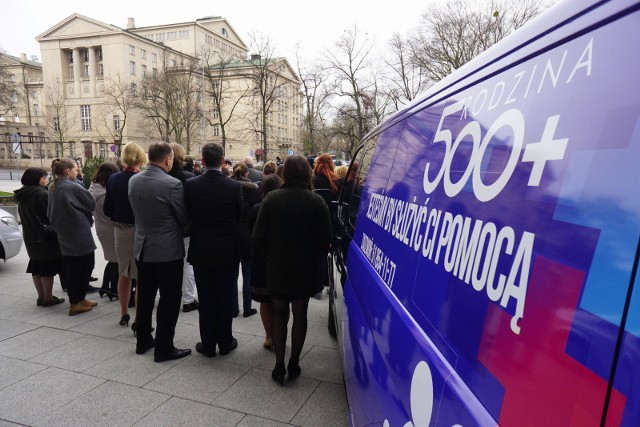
(217, 25)
(77, 25)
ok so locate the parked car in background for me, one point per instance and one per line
(10, 235)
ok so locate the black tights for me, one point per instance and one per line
(298, 328)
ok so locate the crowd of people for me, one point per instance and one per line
(186, 235)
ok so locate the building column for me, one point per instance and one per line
(77, 73)
(93, 70)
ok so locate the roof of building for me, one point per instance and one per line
(19, 60)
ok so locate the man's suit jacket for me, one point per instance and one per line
(161, 216)
(215, 205)
(254, 174)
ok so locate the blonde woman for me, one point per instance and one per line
(118, 208)
(69, 210)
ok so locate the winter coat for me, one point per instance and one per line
(32, 202)
(293, 232)
(70, 212)
(104, 225)
(178, 172)
(251, 197)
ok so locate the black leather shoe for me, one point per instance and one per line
(190, 307)
(200, 348)
(92, 289)
(143, 348)
(174, 354)
(229, 348)
(249, 313)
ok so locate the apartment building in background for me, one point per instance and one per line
(85, 98)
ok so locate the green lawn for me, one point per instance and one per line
(5, 194)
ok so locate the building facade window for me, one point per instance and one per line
(155, 72)
(70, 56)
(12, 77)
(154, 57)
(116, 122)
(103, 149)
(144, 70)
(85, 55)
(85, 117)
(143, 54)
(36, 109)
(85, 70)
(132, 68)
(134, 89)
(132, 50)
(99, 53)
(216, 130)
(100, 69)
(56, 124)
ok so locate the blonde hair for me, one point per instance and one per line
(240, 170)
(133, 155)
(179, 154)
(269, 167)
(342, 171)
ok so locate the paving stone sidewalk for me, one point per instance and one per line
(57, 370)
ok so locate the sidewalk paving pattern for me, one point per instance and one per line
(57, 370)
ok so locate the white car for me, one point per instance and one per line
(10, 236)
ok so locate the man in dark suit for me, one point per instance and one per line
(215, 207)
(161, 220)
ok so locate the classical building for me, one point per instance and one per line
(21, 113)
(99, 86)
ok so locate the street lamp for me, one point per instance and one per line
(204, 110)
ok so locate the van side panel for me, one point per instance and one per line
(491, 261)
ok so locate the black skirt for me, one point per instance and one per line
(44, 268)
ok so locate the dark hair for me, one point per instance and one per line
(32, 176)
(269, 183)
(158, 151)
(212, 155)
(105, 170)
(279, 170)
(297, 170)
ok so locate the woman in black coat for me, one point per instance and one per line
(259, 291)
(44, 254)
(293, 232)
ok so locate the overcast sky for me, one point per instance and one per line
(316, 24)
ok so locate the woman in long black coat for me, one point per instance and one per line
(44, 254)
(293, 232)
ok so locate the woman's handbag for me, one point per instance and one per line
(47, 232)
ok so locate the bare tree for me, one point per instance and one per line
(350, 63)
(186, 112)
(225, 96)
(60, 120)
(156, 102)
(266, 76)
(170, 103)
(407, 78)
(316, 102)
(451, 35)
(114, 111)
(9, 90)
